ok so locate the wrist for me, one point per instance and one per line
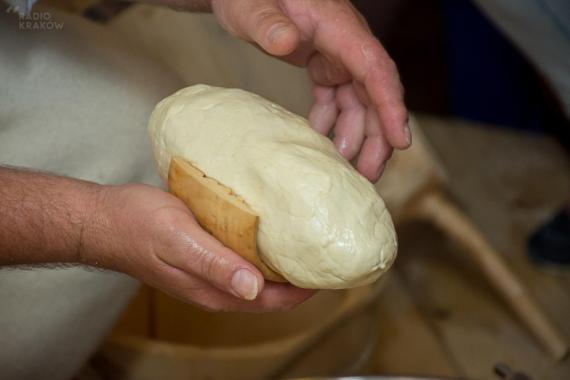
(96, 236)
(111, 229)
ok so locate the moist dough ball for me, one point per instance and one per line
(322, 224)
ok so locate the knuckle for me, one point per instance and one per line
(165, 217)
(264, 16)
(375, 55)
(211, 266)
(373, 52)
(206, 262)
(166, 223)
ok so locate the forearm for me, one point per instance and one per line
(42, 217)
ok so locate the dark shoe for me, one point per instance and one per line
(550, 245)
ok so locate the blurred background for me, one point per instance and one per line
(455, 61)
(490, 149)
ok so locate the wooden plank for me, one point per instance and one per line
(220, 211)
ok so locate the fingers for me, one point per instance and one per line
(386, 94)
(194, 251)
(375, 150)
(350, 125)
(357, 130)
(372, 158)
(259, 21)
(349, 43)
(324, 110)
(189, 289)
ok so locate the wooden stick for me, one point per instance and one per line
(219, 211)
(437, 208)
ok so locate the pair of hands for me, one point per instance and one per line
(358, 99)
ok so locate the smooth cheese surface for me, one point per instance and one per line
(322, 224)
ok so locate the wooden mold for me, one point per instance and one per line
(220, 211)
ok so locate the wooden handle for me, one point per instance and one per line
(448, 217)
(219, 211)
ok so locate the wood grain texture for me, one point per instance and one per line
(219, 211)
(327, 334)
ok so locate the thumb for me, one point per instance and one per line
(199, 253)
(259, 21)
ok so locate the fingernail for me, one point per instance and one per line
(408, 133)
(277, 31)
(342, 146)
(244, 283)
(380, 171)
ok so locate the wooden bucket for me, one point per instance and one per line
(160, 338)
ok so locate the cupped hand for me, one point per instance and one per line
(358, 97)
(150, 234)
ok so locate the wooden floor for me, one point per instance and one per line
(437, 315)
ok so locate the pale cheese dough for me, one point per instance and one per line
(322, 224)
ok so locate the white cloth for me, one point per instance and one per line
(541, 29)
(194, 46)
(74, 102)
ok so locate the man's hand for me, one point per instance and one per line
(357, 91)
(136, 229)
(151, 235)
